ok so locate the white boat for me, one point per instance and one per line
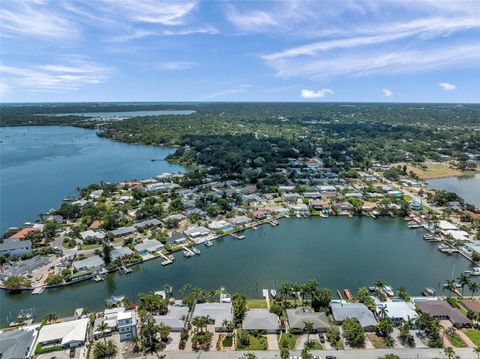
(388, 291)
(187, 254)
(196, 250)
(273, 293)
(475, 272)
(208, 243)
(428, 292)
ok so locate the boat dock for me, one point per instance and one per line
(237, 236)
(38, 291)
(274, 222)
(266, 295)
(348, 294)
(187, 252)
(340, 295)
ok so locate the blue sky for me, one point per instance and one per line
(132, 50)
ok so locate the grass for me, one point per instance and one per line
(289, 339)
(376, 341)
(456, 341)
(89, 246)
(257, 342)
(314, 345)
(435, 170)
(227, 342)
(474, 335)
(256, 303)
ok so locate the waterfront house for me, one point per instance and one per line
(291, 197)
(298, 316)
(471, 305)
(221, 225)
(396, 194)
(175, 318)
(260, 214)
(300, 208)
(21, 234)
(120, 252)
(240, 220)
(327, 189)
(15, 247)
(176, 238)
(353, 195)
(398, 311)
(70, 334)
(261, 319)
(149, 246)
(92, 263)
(17, 344)
(342, 311)
(369, 206)
(124, 231)
(218, 312)
(54, 218)
(441, 310)
(285, 189)
(319, 205)
(96, 194)
(312, 195)
(148, 223)
(117, 320)
(415, 204)
(198, 234)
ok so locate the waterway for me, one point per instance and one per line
(40, 165)
(339, 252)
(467, 187)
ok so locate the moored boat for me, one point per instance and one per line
(388, 291)
(273, 293)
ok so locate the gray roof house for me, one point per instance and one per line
(261, 319)
(17, 344)
(90, 263)
(120, 252)
(176, 238)
(342, 311)
(298, 316)
(175, 318)
(149, 245)
(15, 247)
(123, 231)
(442, 310)
(148, 223)
(217, 311)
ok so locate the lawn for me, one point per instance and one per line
(314, 345)
(227, 342)
(256, 303)
(89, 246)
(376, 341)
(288, 341)
(456, 341)
(435, 170)
(257, 342)
(474, 335)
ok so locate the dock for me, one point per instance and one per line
(38, 291)
(189, 252)
(167, 259)
(266, 295)
(237, 236)
(339, 295)
(348, 294)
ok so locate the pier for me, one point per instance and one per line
(166, 259)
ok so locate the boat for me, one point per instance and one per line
(475, 272)
(273, 293)
(372, 289)
(68, 198)
(98, 278)
(125, 270)
(429, 237)
(428, 292)
(348, 294)
(238, 236)
(196, 250)
(443, 248)
(388, 291)
(413, 225)
(187, 254)
(208, 243)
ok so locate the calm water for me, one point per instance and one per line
(39, 165)
(468, 187)
(128, 113)
(339, 252)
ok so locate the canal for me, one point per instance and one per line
(339, 252)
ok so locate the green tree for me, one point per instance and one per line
(353, 332)
(284, 353)
(16, 282)
(102, 327)
(308, 327)
(463, 280)
(239, 306)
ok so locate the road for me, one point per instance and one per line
(343, 354)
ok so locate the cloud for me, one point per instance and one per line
(250, 20)
(70, 76)
(28, 19)
(447, 86)
(316, 94)
(136, 34)
(175, 65)
(387, 92)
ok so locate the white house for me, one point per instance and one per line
(117, 319)
(69, 334)
(15, 247)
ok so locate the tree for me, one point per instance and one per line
(164, 331)
(107, 257)
(321, 298)
(295, 288)
(382, 311)
(51, 317)
(473, 287)
(364, 297)
(463, 280)
(249, 356)
(284, 290)
(16, 282)
(402, 293)
(102, 327)
(284, 353)
(353, 332)
(148, 335)
(308, 327)
(104, 350)
(201, 322)
(449, 352)
(152, 303)
(239, 305)
(476, 350)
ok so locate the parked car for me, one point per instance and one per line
(322, 338)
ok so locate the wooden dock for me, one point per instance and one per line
(348, 294)
(38, 291)
(166, 260)
(339, 295)
(266, 295)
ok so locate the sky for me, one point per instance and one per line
(193, 50)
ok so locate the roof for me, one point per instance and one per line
(175, 237)
(175, 318)
(148, 222)
(471, 304)
(260, 319)
(440, 308)
(149, 245)
(298, 316)
(119, 252)
(16, 344)
(90, 262)
(445, 225)
(399, 310)
(197, 231)
(217, 311)
(124, 230)
(10, 244)
(23, 232)
(342, 311)
(66, 332)
(95, 224)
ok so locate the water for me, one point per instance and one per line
(128, 113)
(339, 252)
(467, 187)
(40, 165)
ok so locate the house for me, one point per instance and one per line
(92, 234)
(398, 311)
(312, 195)
(174, 218)
(175, 318)
(301, 208)
(21, 234)
(117, 319)
(472, 305)
(197, 234)
(176, 238)
(96, 224)
(319, 205)
(240, 220)
(221, 225)
(291, 197)
(342, 311)
(120, 252)
(396, 194)
(17, 344)
(149, 245)
(124, 231)
(148, 223)
(260, 214)
(416, 205)
(441, 310)
(261, 319)
(54, 218)
(91, 264)
(369, 206)
(216, 311)
(298, 316)
(327, 189)
(69, 334)
(15, 247)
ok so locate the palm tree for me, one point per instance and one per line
(473, 287)
(304, 290)
(295, 288)
(284, 290)
(149, 334)
(463, 280)
(312, 285)
(476, 350)
(102, 327)
(382, 311)
(111, 349)
(51, 317)
(449, 352)
(135, 341)
(450, 284)
(308, 326)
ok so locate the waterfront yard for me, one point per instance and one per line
(431, 170)
(474, 335)
(256, 303)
